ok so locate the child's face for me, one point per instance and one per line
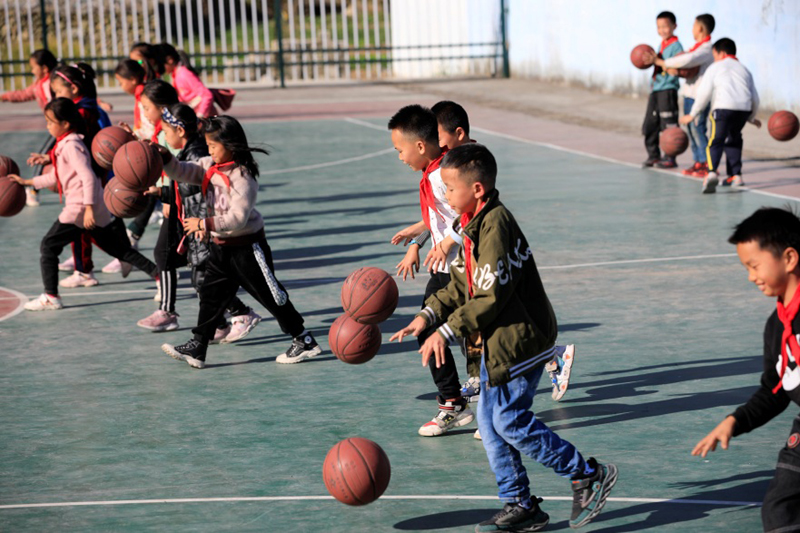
(698, 31)
(462, 196)
(173, 135)
(36, 70)
(151, 111)
(62, 89)
(451, 140)
(129, 86)
(218, 152)
(665, 28)
(410, 151)
(169, 65)
(770, 273)
(55, 127)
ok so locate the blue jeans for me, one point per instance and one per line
(697, 132)
(508, 428)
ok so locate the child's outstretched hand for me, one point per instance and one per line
(88, 217)
(756, 123)
(191, 225)
(406, 234)
(38, 159)
(105, 106)
(410, 263)
(153, 191)
(435, 346)
(437, 257)
(685, 119)
(21, 181)
(125, 126)
(414, 328)
(165, 154)
(721, 434)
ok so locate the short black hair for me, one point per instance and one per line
(160, 93)
(45, 58)
(707, 20)
(669, 15)
(450, 116)
(128, 69)
(726, 46)
(773, 228)
(474, 162)
(417, 121)
(65, 110)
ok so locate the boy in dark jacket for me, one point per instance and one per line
(496, 302)
(768, 244)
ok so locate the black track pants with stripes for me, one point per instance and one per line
(781, 509)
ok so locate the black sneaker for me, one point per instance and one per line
(193, 352)
(302, 348)
(589, 494)
(651, 161)
(515, 518)
(667, 163)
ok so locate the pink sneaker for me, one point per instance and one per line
(160, 321)
(220, 335)
(44, 302)
(79, 279)
(114, 267)
(241, 326)
(68, 265)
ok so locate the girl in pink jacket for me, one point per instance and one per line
(80, 191)
(191, 89)
(42, 62)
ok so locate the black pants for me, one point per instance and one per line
(248, 266)
(138, 224)
(662, 112)
(446, 376)
(112, 239)
(781, 509)
(726, 136)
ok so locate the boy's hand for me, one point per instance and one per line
(722, 434)
(153, 191)
(435, 346)
(38, 159)
(410, 262)
(437, 257)
(757, 123)
(686, 119)
(414, 328)
(88, 217)
(21, 181)
(671, 71)
(191, 225)
(408, 233)
(651, 58)
(200, 235)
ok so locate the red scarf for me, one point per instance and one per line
(52, 154)
(45, 92)
(698, 43)
(731, 57)
(665, 43)
(786, 315)
(426, 198)
(156, 131)
(214, 169)
(137, 95)
(465, 218)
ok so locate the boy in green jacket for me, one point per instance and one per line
(496, 302)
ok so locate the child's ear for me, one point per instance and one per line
(460, 134)
(421, 147)
(181, 132)
(478, 189)
(791, 259)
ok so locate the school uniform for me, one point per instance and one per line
(662, 106)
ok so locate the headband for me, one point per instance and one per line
(67, 79)
(170, 119)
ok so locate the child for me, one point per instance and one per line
(149, 57)
(768, 244)
(496, 300)
(698, 56)
(180, 127)
(730, 89)
(240, 255)
(415, 137)
(186, 81)
(662, 106)
(83, 203)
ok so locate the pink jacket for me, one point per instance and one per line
(80, 185)
(192, 91)
(38, 90)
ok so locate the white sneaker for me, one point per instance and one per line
(477, 434)
(710, 183)
(559, 370)
(157, 296)
(134, 240)
(68, 265)
(44, 302)
(114, 267)
(451, 415)
(737, 182)
(31, 197)
(241, 326)
(79, 279)
(302, 348)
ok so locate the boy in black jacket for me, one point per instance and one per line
(768, 244)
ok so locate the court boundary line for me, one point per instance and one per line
(636, 261)
(328, 164)
(99, 503)
(21, 298)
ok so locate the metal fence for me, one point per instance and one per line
(232, 42)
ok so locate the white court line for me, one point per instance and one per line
(366, 124)
(21, 298)
(634, 261)
(330, 498)
(328, 164)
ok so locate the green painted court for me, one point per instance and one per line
(100, 431)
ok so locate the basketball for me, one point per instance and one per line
(356, 471)
(122, 201)
(353, 342)
(369, 295)
(674, 141)
(8, 166)
(637, 56)
(137, 165)
(106, 144)
(12, 196)
(687, 72)
(782, 125)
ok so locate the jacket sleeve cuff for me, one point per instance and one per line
(208, 224)
(428, 315)
(453, 234)
(446, 331)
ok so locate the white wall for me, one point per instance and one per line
(589, 41)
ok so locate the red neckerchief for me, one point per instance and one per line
(698, 43)
(52, 154)
(44, 81)
(786, 315)
(731, 57)
(156, 131)
(426, 198)
(465, 218)
(214, 169)
(137, 95)
(665, 43)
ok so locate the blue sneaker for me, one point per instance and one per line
(471, 390)
(559, 370)
(589, 494)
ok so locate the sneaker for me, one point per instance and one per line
(736, 182)
(710, 183)
(452, 414)
(44, 302)
(157, 295)
(559, 370)
(79, 279)
(133, 238)
(220, 335)
(160, 321)
(589, 494)
(68, 265)
(516, 518)
(300, 350)
(193, 352)
(241, 326)
(477, 434)
(31, 197)
(125, 268)
(667, 163)
(702, 173)
(471, 390)
(113, 267)
(692, 169)
(650, 162)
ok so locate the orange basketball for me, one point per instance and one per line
(106, 144)
(353, 342)
(673, 141)
(783, 125)
(369, 295)
(8, 166)
(356, 471)
(137, 165)
(122, 201)
(12, 197)
(638, 56)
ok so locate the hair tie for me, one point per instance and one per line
(170, 119)
(140, 61)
